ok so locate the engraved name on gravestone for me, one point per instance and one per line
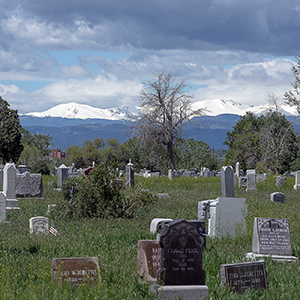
(148, 260)
(271, 236)
(78, 270)
(242, 276)
(181, 254)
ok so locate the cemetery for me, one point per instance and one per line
(204, 237)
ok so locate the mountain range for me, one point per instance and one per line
(73, 123)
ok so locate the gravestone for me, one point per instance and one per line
(245, 275)
(29, 185)
(181, 254)
(62, 175)
(242, 181)
(39, 225)
(280, 181)
(237, 169)
(156, 224)
(227, 182)
(251, 180)
(297, 180)
(226, 216)
(148, 260)
(277, 197)
(129, 175)
(2, 207)
(77, 270)
(9, 186)
(271, 236)
(162, 195)
(22, 169)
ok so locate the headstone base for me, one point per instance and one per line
(12, 204)
(279, 258)
(182, 292)
(296, 187)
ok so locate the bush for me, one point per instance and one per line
(97, 196)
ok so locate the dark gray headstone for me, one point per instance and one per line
(29, 185)
(271, 236)
(242, 276)
(277, 197)
(181, 254)
(227, 182)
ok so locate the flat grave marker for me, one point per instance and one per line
(242, 276)
(77, 270)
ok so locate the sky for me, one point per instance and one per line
(99, 52)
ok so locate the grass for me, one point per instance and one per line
(25, 259)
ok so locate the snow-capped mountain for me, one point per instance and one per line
(74, 110)
(214, 107)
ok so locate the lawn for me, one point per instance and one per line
(25, 259)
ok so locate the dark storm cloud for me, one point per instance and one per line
(258, 26)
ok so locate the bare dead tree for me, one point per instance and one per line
(164, 108)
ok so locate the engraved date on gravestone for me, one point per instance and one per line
(77, 270)
(242, 276)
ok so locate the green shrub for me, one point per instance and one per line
(96, 196)
(41, 167)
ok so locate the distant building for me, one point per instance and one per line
(56, 153)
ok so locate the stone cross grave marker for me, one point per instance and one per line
(242, 276)
(78, 270)
(148, 260)
(251, 180)
(271, 236)
(181, 254)
(227, 182)
(39, 225)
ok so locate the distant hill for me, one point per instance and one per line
(212, 129)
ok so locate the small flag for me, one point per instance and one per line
(53, 229)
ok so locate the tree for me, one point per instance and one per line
(292, 97)
(164, 108)
(10, 134)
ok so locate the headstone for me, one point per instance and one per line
(50, 207)
(1, 174)
(297, 180)
(22, 169)
(271, 236)
(148, 260)
(129, 175)
(181, 254)
(226, 216)
(39, 225)
(227, 182)
(2, 207)
(187, 174)
(242, 276)
(277, 197)
(242, 181)
(77, 270)
(237, 169)
(170, 174)
(162, 195)
(251, 181)
(29, 185)
(9, 185)
(261, 177)
(62, 173)
(280, 181)
(156, 224)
